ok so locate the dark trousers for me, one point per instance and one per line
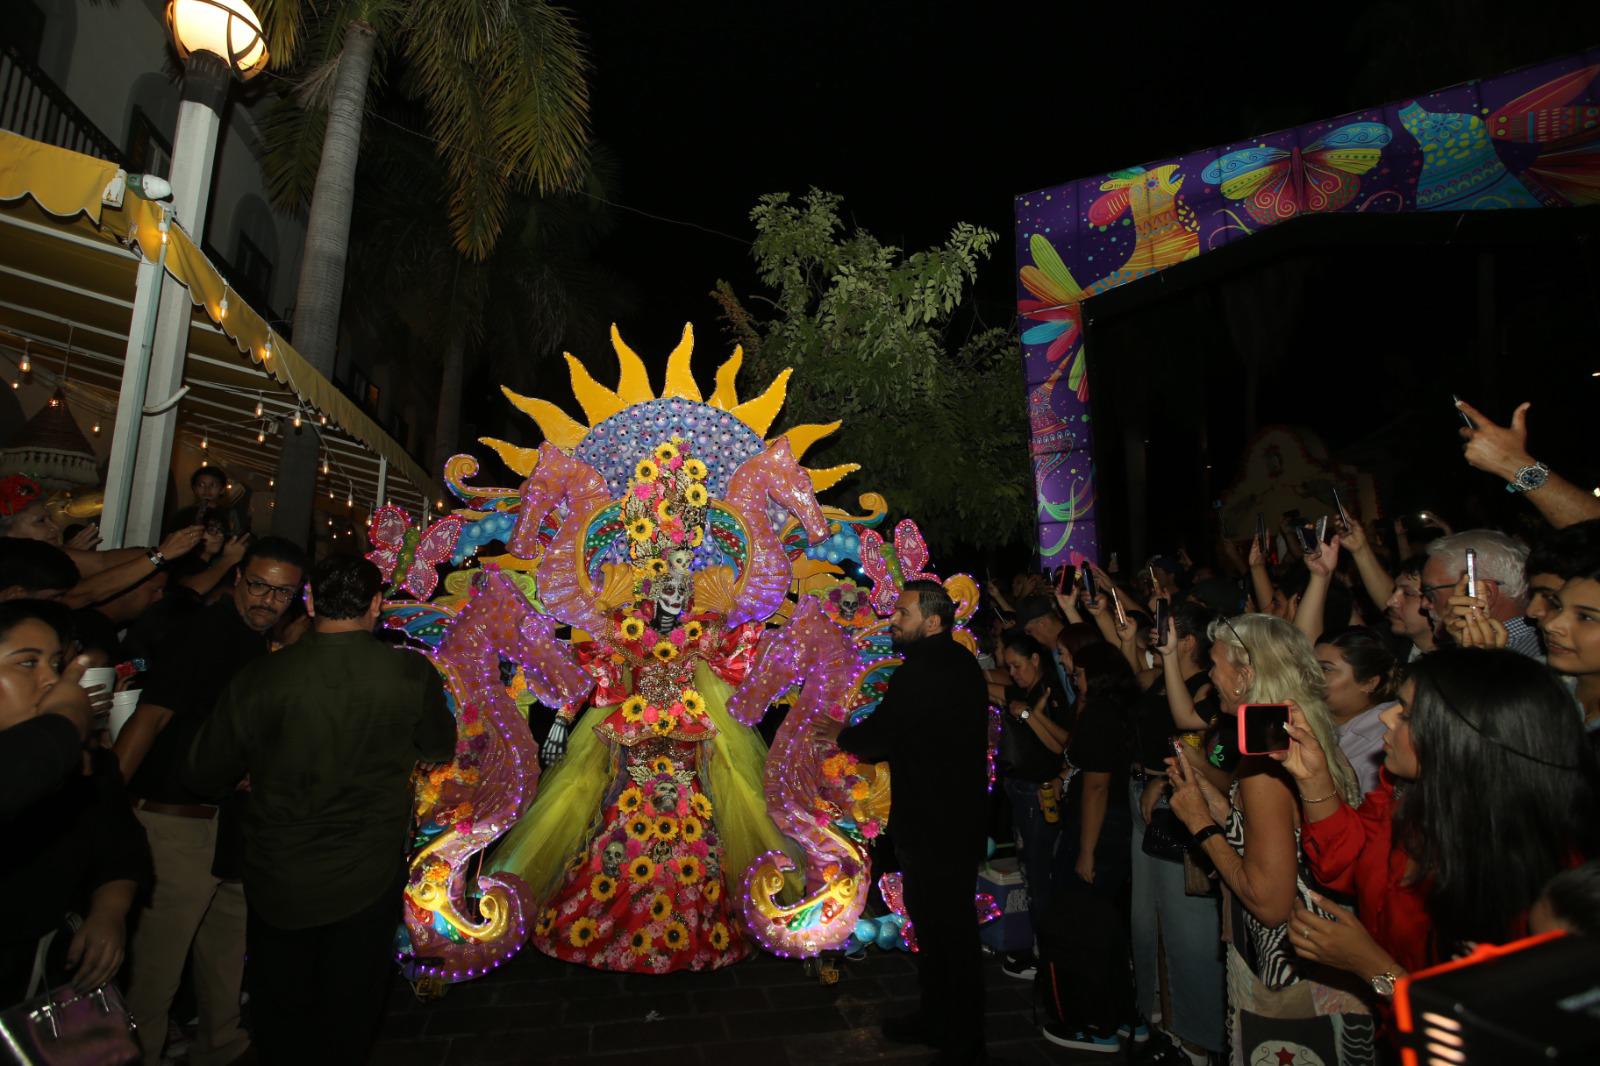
(939, 902)
(1036, 839)
(318, 994)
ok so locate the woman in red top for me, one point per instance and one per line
(1499, 795)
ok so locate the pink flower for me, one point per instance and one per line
(645, 491)
(870, 828)
(677, 637)
(677, 536)
(675, 463)
(651, 713)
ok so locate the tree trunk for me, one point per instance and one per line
(447, 423)
(321, 288)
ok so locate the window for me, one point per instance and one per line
(148, 151)
(364, 392)
(252, 273)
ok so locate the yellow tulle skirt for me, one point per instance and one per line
(562, 821)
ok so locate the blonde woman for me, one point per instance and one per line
(1252, 837)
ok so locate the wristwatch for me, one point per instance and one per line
(1383, 983)
(1025, 715)
(157, 560)
(1529, 478)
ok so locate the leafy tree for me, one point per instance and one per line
(503, 84)
(933, 408)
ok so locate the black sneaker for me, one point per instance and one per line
(1022, 967)
(1164, 1050)
(1088, 1038)
(909, 1029)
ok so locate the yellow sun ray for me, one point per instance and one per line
(633, 382)
(759, 412)
(801, 438)
(827, 479)
(680, 380)
(726, 395)
(520, 460)
(558, 427)
(598, 402)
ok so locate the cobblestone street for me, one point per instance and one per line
(765, 1010)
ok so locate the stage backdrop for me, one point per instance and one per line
(1530, 138)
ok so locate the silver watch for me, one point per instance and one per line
(1529, 478)
(1383, 983)
(1025, 715)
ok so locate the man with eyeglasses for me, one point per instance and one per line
(1502, 583)
(198, 900)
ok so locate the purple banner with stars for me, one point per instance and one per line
(1530, 138)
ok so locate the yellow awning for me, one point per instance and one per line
(67, 270)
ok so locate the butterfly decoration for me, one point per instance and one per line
(1567, 170)
(1275, 184)
(910, 556)
(408, 557)
(1055, 308)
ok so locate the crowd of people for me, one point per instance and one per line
(205, 752)
(1198, 892)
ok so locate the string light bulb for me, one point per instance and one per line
(27, 364)
(222, 308)
(322, 417)
(324, 464)
(258, 408)
(272, 482)
(96, 429)
(296, 420)
(261, 436)
(205, 441)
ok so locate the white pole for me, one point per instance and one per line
(383, 480)
(147, 288)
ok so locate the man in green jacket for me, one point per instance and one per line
(328, 731)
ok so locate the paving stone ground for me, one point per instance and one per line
(764, 1011)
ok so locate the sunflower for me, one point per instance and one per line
(663, 726)
(640, 942)
(660, 906)
(630, 799)
(695, 469)
(633, 708)
(696, 495)
(657, 567)
(676, 936)
(602, 887)
(692, 701)
(665, 651)
(692, 630)
(697, 537)
(546, 920)
(582, 932)
(666, 828)
(660, 765)
(690, 870)
(639, 829)
(712, 890)
(641, 529)
(663, 510)
(641, 870)
(702, 805)
(666, 451)
(633, 628)
(646, 471)
(719, 936)
(693, 829)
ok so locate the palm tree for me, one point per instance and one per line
(502, 83)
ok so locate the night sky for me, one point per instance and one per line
(925, 114)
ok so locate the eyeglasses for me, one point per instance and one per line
(262, 590)
(1249, 660)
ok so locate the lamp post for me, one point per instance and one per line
(217, 40)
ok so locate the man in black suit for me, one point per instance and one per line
(932, 727)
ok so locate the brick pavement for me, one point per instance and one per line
(765, 1011)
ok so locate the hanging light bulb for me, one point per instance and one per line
(296, 418)
(205, 462)
(27, 364)
(322, 417)
(261, 435)
(272, 482)
(330, 496)
(258, 408)
(324, 464)
(266, 352)
(350, 499)
(205, 441)
(96, 429)
(222, 308)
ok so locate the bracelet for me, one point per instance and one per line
(1319, 799)
(1205, 833)
(157, 560)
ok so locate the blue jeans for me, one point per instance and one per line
(1036, 847)
(1189, 929)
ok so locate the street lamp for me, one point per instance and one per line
(217, 40)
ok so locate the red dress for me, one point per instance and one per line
(1352, 851)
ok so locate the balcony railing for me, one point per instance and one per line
(34, 106)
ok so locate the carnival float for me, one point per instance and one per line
(663, 575)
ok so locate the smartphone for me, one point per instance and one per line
(1306, 536)
(1163, 616)
(1261, 529)
(1263, 728)
(1116, 606)
(1456, 400)
(1472, 572)
(1155, 586)
(1086, 575)
(1322, 531)
(1344, 516)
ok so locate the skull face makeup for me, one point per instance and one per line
(664, 797)
(679, 560)
(672, 592)
(611, 858)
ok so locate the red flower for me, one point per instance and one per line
(17, 492)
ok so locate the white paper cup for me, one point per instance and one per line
(100, 675)
(122, 707)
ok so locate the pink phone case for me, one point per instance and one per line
(1242, 743)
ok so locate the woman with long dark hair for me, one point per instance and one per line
(1500, 796)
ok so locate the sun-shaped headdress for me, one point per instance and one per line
(627, 423)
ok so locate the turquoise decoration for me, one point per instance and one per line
(1460, 169)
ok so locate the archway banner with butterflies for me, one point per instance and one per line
(1526, 139)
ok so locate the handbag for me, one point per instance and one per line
(64, 1028)
(1165, 837)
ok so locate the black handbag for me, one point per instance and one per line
(1165, 837)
